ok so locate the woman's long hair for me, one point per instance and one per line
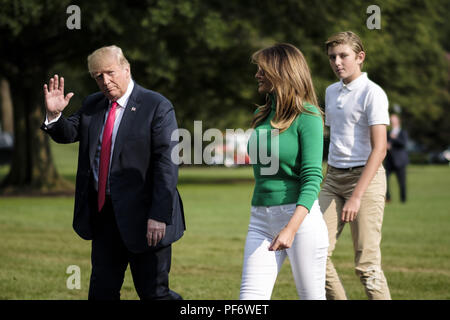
(285, 67)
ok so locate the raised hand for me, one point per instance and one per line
(55, 101)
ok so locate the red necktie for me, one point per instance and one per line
(105, 155)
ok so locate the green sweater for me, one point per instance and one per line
(300, 162)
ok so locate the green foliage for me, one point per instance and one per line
(197, 53)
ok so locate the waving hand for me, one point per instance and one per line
(55, 101)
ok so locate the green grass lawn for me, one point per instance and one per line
(38, 244)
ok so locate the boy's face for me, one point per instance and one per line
(345, 63)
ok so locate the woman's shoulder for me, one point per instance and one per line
(311, 110)
(310, 117)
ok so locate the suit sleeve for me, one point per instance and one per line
(65, 130)
(164, 171)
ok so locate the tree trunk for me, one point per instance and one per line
(7, 108)
(32, 169)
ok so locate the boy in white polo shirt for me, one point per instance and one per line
(356, 110)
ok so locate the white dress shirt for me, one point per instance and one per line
(121, 104)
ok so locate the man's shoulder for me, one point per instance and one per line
(150, 96)
(94, 97)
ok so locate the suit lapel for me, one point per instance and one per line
(95, 127)
(128, 119)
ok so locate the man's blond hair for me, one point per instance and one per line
(96, 58)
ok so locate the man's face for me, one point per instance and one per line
(345, 63)
(395, 122)
(112, 78)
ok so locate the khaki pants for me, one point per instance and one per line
(365, 229)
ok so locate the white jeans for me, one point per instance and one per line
(307, 255)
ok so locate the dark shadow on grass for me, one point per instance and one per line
(70, 190)
(64, 188)
(204, 180)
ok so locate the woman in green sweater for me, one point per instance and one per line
(286, 220)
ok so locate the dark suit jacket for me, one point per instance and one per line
(143, 177)
(397, 156)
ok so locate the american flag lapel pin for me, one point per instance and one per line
(133, 109)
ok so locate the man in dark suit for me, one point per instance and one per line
(397, 156)
(126, 200)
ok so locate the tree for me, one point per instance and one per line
(37, 39)
(6, 107)
(197, 53)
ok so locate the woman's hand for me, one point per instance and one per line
(286, 236)
(283, 240)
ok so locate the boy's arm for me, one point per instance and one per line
(378, 141)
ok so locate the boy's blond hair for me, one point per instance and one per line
(346, 37)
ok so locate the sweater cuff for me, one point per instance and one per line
(306, 202)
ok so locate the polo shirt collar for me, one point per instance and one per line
(355, 84)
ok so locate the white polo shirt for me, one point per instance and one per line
(349, 111)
